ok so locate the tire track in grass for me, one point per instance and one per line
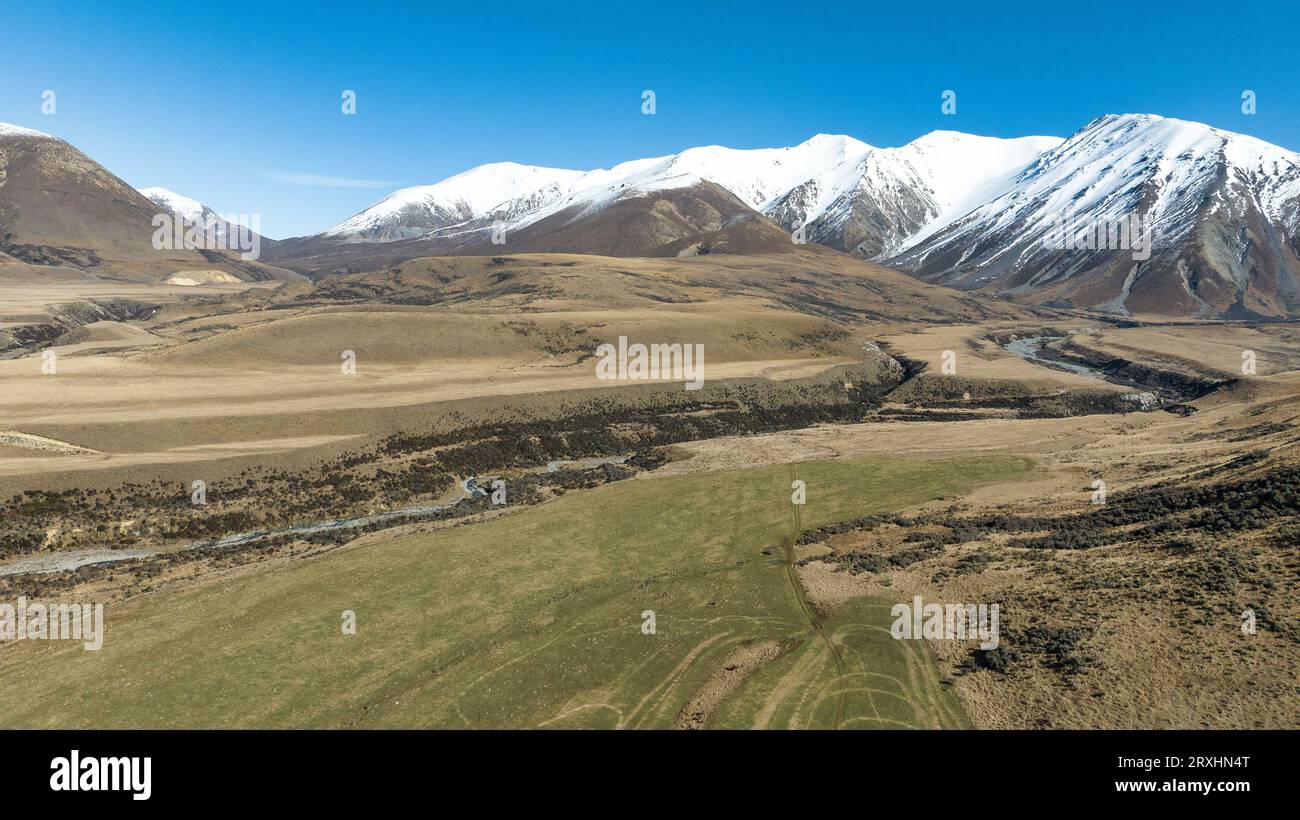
(815, 620)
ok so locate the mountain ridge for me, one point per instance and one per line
(1223, 211)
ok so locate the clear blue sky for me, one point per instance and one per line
(240, 109)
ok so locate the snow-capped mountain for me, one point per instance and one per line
(642, 207)
(1221, 210)
(190, 210)
(824, 181)
(420, 210)
(521, 195)
(872, 203)
(851, 195)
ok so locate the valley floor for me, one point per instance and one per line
(936, 463)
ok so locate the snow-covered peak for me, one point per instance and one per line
(955, 167)
(7, 130)
(1102, 170)
(194, 212)
(191, 210)
(1116, 161)
(756, 176)
(1180, 140)
(467, 195)
(959, 167)
(1221, 204)
(873, 201)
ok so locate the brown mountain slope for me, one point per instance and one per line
(700, 219)
(63, 213)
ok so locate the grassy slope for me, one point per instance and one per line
(530, 619)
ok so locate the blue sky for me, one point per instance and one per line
(243, 112)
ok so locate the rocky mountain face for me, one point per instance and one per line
(1133, 214)
(871, 204)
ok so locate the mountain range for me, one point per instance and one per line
(1039, 219)
(1034, 218)
(848, 195)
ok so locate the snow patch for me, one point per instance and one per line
(7, 130)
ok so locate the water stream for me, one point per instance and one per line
(1028, 349)
(73, 559)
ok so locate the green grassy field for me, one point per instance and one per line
(531, 619)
